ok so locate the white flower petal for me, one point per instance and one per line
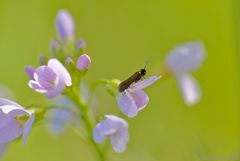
(13, 110)
(34, 85)
(144, 83)
(56, 66)
(186, 57)
(127, 104)
(189, 88)
(140, 98)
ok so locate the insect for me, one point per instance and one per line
(132, 79)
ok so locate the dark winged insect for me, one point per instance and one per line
(132, 79)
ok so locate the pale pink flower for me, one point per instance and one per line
(134, 99)
(15, 121)
(114, 128)
(50, 79)
(181, 61)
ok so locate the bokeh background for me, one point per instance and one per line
(121, 36)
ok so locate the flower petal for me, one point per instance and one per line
(56, 66)
(127, 104)
(10, 130)
(27, 128)
(4, 101)
(190, 89)
(56, 90)
(144, 83)
(116, 129)
(141, 99)
(35, 86)
(186, 57)
(120, 140)
(118, 120)
(3, 147)
(45, 76)
(103, 129)
(13, 110)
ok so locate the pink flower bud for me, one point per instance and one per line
(65, 25)
(30, 71)
(83, 62)
(80, 44)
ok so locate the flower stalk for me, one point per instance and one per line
(88, 121)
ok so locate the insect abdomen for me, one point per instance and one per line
(125, 84)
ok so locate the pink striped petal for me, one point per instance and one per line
(127, 104)
(140, 98)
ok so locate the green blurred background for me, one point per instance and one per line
(121, 36)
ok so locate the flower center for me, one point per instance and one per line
(21, 120)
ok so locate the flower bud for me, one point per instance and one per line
(30, 71)
(65, 25)
(83, 62)
(55, 46)
(43, 60)
(69, 60)
(80, 44)
(69, 64)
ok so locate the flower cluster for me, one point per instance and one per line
(59, 76)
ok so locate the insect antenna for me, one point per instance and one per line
(146, 64)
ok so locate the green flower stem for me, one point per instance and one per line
(88, 121)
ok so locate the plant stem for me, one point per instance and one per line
(88, 121)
